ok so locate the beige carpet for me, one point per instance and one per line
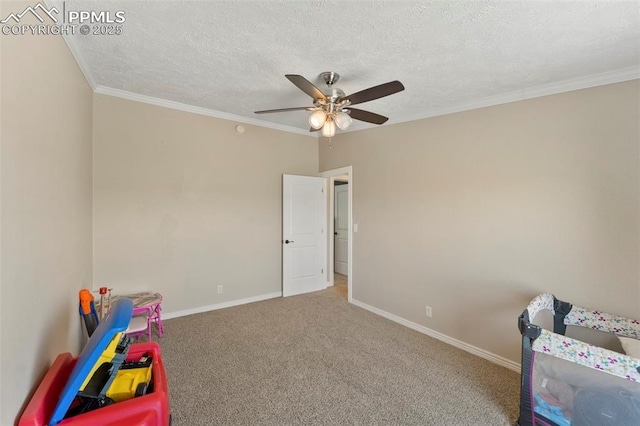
(317, 360)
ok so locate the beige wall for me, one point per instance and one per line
(183, 203)
(477, 212)
(45, 127)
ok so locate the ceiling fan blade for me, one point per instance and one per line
(306, 86)
(311, 129)
(267, 111)
(369, 117)
(374, 92)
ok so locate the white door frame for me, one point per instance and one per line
(331, 175)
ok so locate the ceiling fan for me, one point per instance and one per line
(332, 108)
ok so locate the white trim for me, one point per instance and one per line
(585, 82)
(74, 49)
(618, 76)
(578, 83)
(443, 337)
(229, 304)
(331, 175)
(103, 90)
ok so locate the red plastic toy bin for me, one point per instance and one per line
(151, 409)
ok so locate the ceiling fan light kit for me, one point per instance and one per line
(331, 108)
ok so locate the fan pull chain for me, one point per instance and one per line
(331, 143)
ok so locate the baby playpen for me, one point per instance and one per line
(570, 381)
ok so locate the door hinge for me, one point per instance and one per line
(322, 270)
(322, 190)
(322, 230)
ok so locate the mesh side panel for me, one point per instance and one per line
(569, 394)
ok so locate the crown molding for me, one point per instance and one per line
(103, 90)
(585, 82)
(593, 80)
(74, 49)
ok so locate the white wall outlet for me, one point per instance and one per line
(428, 311)
(219, 289)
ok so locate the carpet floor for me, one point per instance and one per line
(315, 359)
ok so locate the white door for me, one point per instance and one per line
(304, 219)
(341, 229)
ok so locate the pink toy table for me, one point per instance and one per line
(145, 303)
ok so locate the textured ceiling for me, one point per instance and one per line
(231, 56)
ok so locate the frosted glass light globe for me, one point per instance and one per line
(343, 120)
(329, 129)
(317, 119)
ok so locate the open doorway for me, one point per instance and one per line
(340, 235)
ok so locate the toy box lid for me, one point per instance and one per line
(117, 321)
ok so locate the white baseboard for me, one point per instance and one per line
(198, 310)
(442, 337)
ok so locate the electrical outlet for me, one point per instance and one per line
(219, 289)
(428, 311)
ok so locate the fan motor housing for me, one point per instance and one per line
(333, 93)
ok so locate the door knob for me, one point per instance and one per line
(287, 241)
(335, 233)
